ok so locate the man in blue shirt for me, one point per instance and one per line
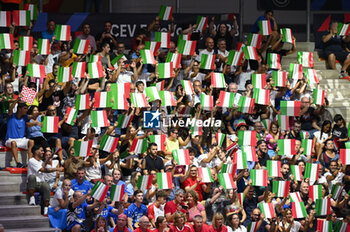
(79, 183)
(136, 210)
(49, 33)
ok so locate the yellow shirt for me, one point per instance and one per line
(170, 146)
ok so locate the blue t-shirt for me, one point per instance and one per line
(136, 213)
(83, 187)
(77, 215)
(16, 128)
(106, 212)
(47, 35)
(34, 131)
(255, 28)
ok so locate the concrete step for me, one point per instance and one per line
(45, 229)
(7, 187)
(329, 74)
(14, 178)
(6, 158)
(12, 198)
(25, 222)
(19, 210)
(305, 46)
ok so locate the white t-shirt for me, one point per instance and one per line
(337, 179)
(295, 227)
(317, 134)
(243, 78)
(224, 54)
(60, 195)
(33, 169)
(239, 229)
(94, 173)
(204, 51)
(199, 77)
(49, 176)
(125, 77)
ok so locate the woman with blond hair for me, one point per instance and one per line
(218, 223)
(179, 223)
(194, 207)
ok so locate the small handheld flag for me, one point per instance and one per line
(99, 191)
(50, 124)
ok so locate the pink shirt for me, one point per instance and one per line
(192, 212)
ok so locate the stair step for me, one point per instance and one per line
(19, 210)
(6, 176)
(9, 187)
(7, 160)
(13, 198)
(24, 222)
(44, 229)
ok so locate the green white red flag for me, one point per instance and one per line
(168, 98)
(152, 93)
(117, 192)
(308, 145)
(21, 58)
(71, 115)
(254, 40)
(323, 207)
(154, 46)
(267, 209)
(337, 191)
(261, 96)
(259, 177)
(315, 192)
(78, 69)
(25, 43)
(99, 118)
(234, 58)
(186, 47)
(207, 101)
(159, 140)
(164, 180)
(286, 146)
(280, 188)
(287, 35)
(44, 46)
(319, 95)
(295, 71)
(62, 32)
(266, 123)
(299, 210)
(205, 174)
(50, 124)
(340, 226)
(165, 12)
(259, 80)
(187, 85)
(218, 80)
(95, 58)
(311, 75)
(182, 156)
(147, 56)
(324, 226)
(82, 148)
(220, 138)
(139, 100)
(64, 74)
(166, 70)
(21, 17)
(207, 62)
(99, 191)
(163, 38)
(36, 70)
(247, 138)
(344, 156)
(250, 53)
(306, 59)
(124, 121)
(5, 18)
(82, 102)
(265, 27)
(297, 173)
(6, 41)
(274, 168)
(139, 146)
(252, 227)
(283, 122)
(202, 23)
(103, 99)
(81, 46)
(249, 152)
(95, 70)
(226, 99)
(343, 29)
(33, 9)
(226, 181)
(144, 182)
(279, 78)
(295, 197)
(311, 172)
(175, 58)
(273, 60)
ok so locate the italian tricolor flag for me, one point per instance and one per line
(234, 58)
(207, 62)
(139, 146)
(62, 32)
(99, 118)
(306, 59)
(95, 58)
(226, 181)
(164, 180)
(44, 46)
(117, 192)
(182, 156)
(345, 156)
(311, 76)
(283, 122)
(279, 78)
(197, 127)
(163, 38)
(81, 46)
(165, 12)
(324, 226)
(139, 100)
(311, 172)
(252, 226)
(280, 188)
(295, 197)
(5, 18)
(186, 47)
(25, 43)
(207, 101)
(187, 85)
(184, 37)
(114, 62)
(218, 80)
(273, 60)
(119, 95)
(337, 191)
(205, 174)
(295, 71)
(254, 40)
(343, 29)
(95, 70)
(103, 99)
(168, 98)
(144, 182)
(202, 23)
(267, 209)
(247, 138)
(175, 58)
(274, 168)
(147, 56)
(286, 146)
(341, 226)
(259, 177)
(152, 93)
(266, 123)
(50, 124)
(21, 58)
(99, 191)
(78, 69)
(6, 41)
(64, 74)
(250, 53)
(71, 115)
(319, 95)
(226, 99)
(82, 102)
(229, 168)
(159, 140)
(124, 121)
(154, 46)
(299, 210)
(246, 105)
(82, 148)
(308, 145)
(36, 70)
(33, 9)
(241, 198)
(220, 138)
(166, 70)
(240, 160)
(297, 173)
(259, 80)
(250, 153)
(315, 192)
(265, 27)
(261, 96)
(21, 17)
(323, 207)
(287, 35)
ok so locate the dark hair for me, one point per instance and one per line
(338, 117)
(296, 121)
(159, 220)
(35, 148)
(324, 124)
(137, 192)
(268, 11)
(221, 39)
(80, 169)
(139, 83)
(108, 21)
(160, 194)
(31, 109)
(172, 130)
(260, 142)
(151, 145)
(21, 104)
(31, 85)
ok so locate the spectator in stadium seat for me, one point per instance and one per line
(107, 37)
(120, 52)
(122, 222)
(79, 183)
(101, 225)
(176, 205)
(136, 210)
(50, 32)
(87, 35)
(209, 49)
(194, 206)
(334, 50)
(179, 224)
(280, 48)
(307, 117)
(144, 225)
(222, 32)
(222, 54)
(152, 161)
(122, 75)
(194, 182)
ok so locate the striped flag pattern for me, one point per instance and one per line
(82, 148)
(168, 98)
(187, 85)
(207, 101)
(247, 138)
(228, 168)
(254, 40)
(99, 118)
(220, 138)
(99, 191)
(154, 46)
(184, 37)
(218, 80)
(226, 99)
(21, 17)
(250, 153)
(323, 207)
(306, 59)
(343, 29)
(152, 93)
(299, 210)
(103, 99)
(283, 122)
(117, 192)
(287, 35)
(139, 100)
(95, 70)
(280, 188)
(250, 53)
(64, 74)
(234, 58)
(259, 177)
(207, 62)
(273, 60)
(164, 180)
(165, 12)
(308, 145)
(266, 123)
(44, 46)
(182, 156)
(315, 192)
(240, 160)
(36, 70)
(267, 209)
(252, 226)
(205, 174)
(226, 181)
(62, 32)
(324, 226)
(337, 191)
(95, 58)
(144, 182)
(261, 96)
(50, 124)
(81, 46)
(82, 102)
(197, 127)
(274, 168)
(202, 23)
(124, 121)
(319, 95)
(246, 105)
(241, 198)
(311, 172)
(279, 78)
(259, 80)
(120, 92)
(139, 146)
(71, 115)
(304, 134)
(33, 9)
(175, 58)
(344, 156)
(21, 58)
(6, 41)
(186, 47)
(163, 38)
(295, 197)
(147, 56)
(311, 76)
(166, 70)
(159, 140)
(295, 71)
(25, 43)
(297, 173)
(265, 27)
(286, 146)
(340, 226)
(5, 18)
(115, 60)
